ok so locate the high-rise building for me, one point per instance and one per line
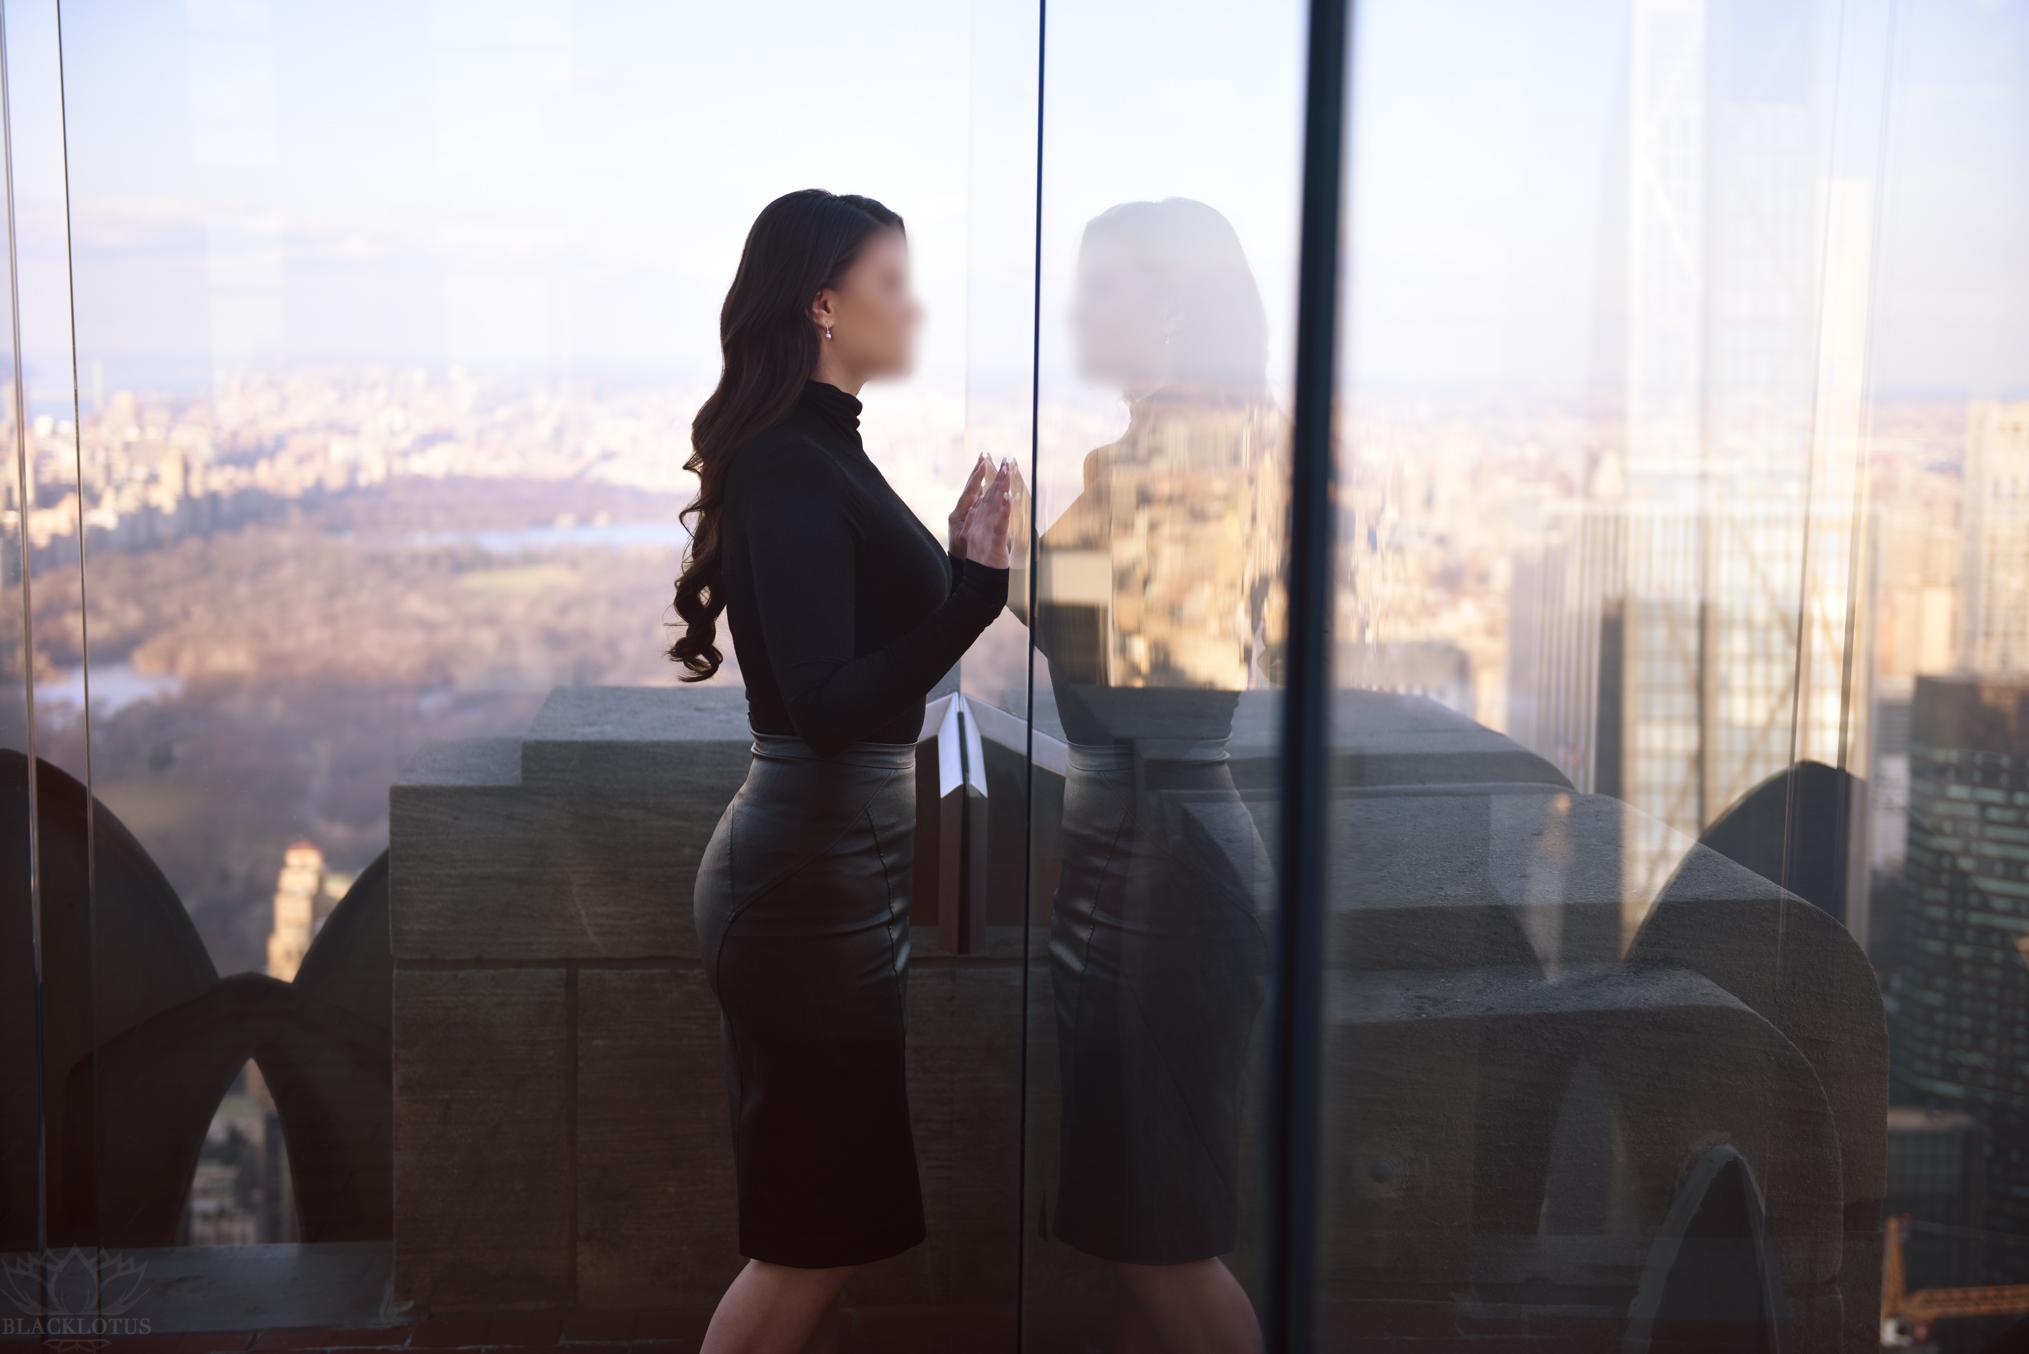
(300, 907)
(1960, 992)
(1746, 264)
(1686, 629)
(1665, 179)
(1656, 653)
(305, 894)
(1888, 785)
(1994, 616)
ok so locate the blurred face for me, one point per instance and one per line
(1118, 318)
(872, 313)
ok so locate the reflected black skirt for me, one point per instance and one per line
(1158, 958)
(802, 909)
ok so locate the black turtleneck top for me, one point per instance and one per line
(844, 609)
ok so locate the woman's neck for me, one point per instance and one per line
(833, 373)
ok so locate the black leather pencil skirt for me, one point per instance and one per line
(1158, 959)
(802, 909)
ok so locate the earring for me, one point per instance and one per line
(827, 332)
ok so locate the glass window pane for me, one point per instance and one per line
(1657, 617)
(392, 320)
(1170, 191)
(54, 943)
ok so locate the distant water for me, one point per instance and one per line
(115, 686)
(577, 536)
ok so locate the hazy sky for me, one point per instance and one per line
(562, 187)
(1489, 144)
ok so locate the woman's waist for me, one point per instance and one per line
(793, 791)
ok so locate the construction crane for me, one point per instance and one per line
(1906, 1317)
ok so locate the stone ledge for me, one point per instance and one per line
(578, 842)
(1491, 1040)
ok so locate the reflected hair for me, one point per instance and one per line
(800, 244)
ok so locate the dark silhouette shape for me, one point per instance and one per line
(141, 1039)
(1710, 1274)
(105, 967)
(1790, 959)
(1793, 829)
(153, 1091)
(347, 964)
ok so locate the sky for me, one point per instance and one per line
(1488, 160)
(562, 188)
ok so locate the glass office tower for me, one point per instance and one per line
(1494, 817)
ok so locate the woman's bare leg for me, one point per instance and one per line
(1195, 1308)
(825, 1340)
(773, 1309)
(1132, 1332)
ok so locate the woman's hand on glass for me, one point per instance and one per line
(985, 537)
(982, 473)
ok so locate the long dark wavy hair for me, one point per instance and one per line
(800, 244)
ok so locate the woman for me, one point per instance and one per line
(844, 611)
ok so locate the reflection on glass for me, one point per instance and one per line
(20, 1043)
(46, 593)
(1678, 889)
(1158, 604)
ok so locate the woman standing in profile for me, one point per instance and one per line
(844, 612)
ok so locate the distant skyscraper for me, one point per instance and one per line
(1655, 652)
(1746, 264)
(300, 907)
(305, 894)
(1686, 629)
(1888, 783)
(1961, 989)
(1666, 261)
(1994, 584)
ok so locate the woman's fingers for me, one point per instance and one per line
(986, 526)
(1001, 489)
(980, 468)
(975, 484)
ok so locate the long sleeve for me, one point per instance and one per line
(802, 559)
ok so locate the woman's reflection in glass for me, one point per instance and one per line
(1158, 603)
